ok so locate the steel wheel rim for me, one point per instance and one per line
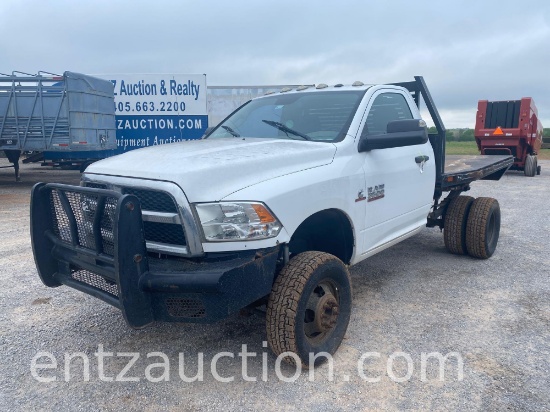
(322, 312)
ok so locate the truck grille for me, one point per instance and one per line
(153, 202)
(164, 233)
(156, 201)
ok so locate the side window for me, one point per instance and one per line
(386, 108)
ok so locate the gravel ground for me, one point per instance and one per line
(413, 298)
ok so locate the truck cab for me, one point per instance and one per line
(297, 154)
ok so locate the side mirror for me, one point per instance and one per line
(400, 133)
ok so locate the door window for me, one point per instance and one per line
(386, 108)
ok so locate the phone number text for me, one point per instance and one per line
(127, 107)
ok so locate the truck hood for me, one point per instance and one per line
(211, 169)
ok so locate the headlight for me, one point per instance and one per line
(237, 221)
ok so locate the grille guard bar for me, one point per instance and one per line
(59, 255)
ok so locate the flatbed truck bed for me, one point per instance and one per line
(457, 174)
(462, 170)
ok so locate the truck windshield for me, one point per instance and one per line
(317, 116)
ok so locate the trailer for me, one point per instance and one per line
(55, 113)
(510, 128)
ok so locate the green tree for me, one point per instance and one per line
(450, 135)
(467, 135)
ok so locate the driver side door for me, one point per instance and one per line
(399, 191)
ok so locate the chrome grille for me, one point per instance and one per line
(96, 185)
(164, 232)
(153, 200)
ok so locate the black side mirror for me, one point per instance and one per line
(400, 133)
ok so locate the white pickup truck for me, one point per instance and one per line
(268, 209)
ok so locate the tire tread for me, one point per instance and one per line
(454, 230)
(530, 168)
(284, 299)
(476, 227)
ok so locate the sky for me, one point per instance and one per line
(466, 50)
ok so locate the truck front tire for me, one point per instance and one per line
(454, 228)
(483, 227)
(309, 308)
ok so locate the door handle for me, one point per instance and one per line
(421, 159)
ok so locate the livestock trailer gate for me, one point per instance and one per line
(510, 128)
(55, 113)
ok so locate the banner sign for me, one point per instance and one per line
(153, 109)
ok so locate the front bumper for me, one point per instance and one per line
(93, 240)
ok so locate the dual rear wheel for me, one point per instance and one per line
(472, 226)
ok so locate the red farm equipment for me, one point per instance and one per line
(510, 128)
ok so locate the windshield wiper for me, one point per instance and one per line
(287, 130)
(231, 131)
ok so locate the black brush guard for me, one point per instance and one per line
(93, 240)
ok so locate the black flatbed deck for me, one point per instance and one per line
(462, 170)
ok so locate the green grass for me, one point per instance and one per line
(461, 148)
(470, 148)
